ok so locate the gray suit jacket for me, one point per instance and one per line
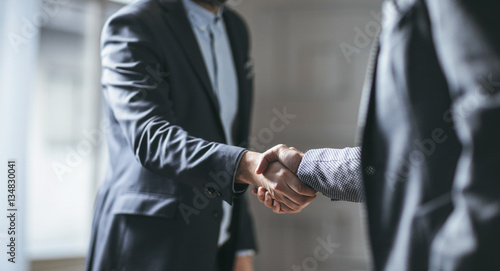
(430, 157)
(160, 206)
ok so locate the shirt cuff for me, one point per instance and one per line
(239, 188)
(245, 252)
(336, 173)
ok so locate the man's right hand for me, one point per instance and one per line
(288, 156)
(282, 184)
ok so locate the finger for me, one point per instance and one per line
(254, 191)
(296, 201)
(285, 210)
(276, 207)
(300, 188)
(290, 158)
(261, 192)
(268, 157)
(291, 205)
(262, 166)
(289, 189)
(302, 201)
(273, 204)
(285, 203)
(269, 201)
(280, 208)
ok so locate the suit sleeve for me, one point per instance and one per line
(336, 173)
(246, 236)
(467, 42)
(140, 104)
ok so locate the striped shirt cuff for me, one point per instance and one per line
(336, 173)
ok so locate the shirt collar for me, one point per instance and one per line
(199, 16)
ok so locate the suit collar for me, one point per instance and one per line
(201, 17)
(180, 25)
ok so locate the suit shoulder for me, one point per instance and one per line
(236, 19)
(139, 18)
(142, 11)
(234, 15)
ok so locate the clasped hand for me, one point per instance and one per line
(273, 175)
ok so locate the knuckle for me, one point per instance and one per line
(297, 157)
(281, 146)
(281, 174)
(299, 187)
(291, 208)
(303, 201)
(274, 187)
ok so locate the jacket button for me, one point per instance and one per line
(216, 214)
(219, 194)
(210, 190)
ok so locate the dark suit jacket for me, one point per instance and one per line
(431, 137)
(160, 207)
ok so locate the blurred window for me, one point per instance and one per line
(66, 160)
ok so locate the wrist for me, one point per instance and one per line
(246, 168)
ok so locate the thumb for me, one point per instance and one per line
(268, 157)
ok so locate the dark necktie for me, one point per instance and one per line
(214, 59)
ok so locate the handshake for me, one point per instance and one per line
(273, 174)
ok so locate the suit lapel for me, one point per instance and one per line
(180, 25)
(238, 52)
(367, 94)
(233, 36)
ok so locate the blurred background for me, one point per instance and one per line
(310, 59)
